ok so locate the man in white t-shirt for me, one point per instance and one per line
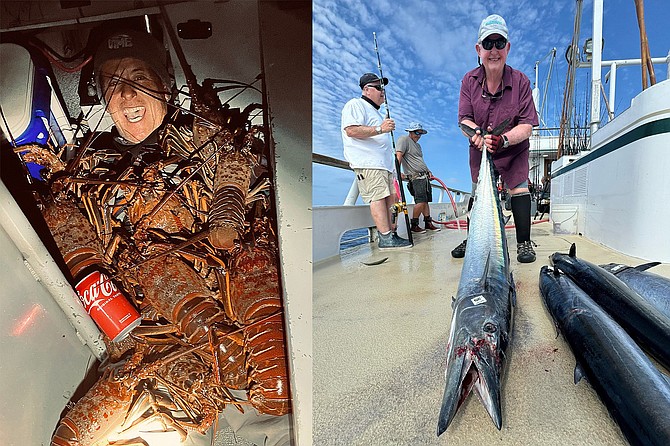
(369, 150)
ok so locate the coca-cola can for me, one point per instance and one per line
(108, 307)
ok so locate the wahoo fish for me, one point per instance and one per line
(643, 322)
(481, 324)
(632, 389)
(654, 288)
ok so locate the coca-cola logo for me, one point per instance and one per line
(95, 290)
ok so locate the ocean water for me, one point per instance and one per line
(354, 237)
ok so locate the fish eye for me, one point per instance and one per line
(490, 327)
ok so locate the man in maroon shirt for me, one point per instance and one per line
(490, 94)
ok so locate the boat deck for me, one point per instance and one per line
(379, 340)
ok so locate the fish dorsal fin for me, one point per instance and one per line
(573, 251)
(579, 374)
(646, 266)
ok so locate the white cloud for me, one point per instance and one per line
(426, 46)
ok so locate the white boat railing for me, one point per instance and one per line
(458, 195)
(329, 223)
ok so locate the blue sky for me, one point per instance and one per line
(426, 46)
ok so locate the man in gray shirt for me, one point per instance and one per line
(409, 154)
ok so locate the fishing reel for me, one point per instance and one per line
(396, 209)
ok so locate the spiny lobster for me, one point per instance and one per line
(183, 293)
(177, 236)
(216, 131)
(172, 387)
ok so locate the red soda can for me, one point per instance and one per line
(110, 310)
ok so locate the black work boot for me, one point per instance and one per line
(416, 228)
(429, 224)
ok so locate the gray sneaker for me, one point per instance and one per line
(392, 241)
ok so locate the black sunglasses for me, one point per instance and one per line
(500, 43)
(417, 132)
(376, 87)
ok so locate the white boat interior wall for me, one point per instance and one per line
(620, 189)
(47, 342)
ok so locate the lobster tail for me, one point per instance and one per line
(230, 360)
(106, 403)
(195, 313)
(74, 235)
(254, 285)
(184, 299)
(231, 184)
(269, 391)
(65, 435)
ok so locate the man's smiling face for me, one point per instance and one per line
(135, 97)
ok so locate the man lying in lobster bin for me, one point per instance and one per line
(144, 191)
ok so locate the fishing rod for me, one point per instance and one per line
(403, 203)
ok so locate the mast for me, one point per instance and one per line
(596, 64)
(647, 64)
(596, 68)
(566, 110)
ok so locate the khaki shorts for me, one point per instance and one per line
(374, 184)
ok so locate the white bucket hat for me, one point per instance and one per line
(416, 127)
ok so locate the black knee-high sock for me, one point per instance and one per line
(521, 213)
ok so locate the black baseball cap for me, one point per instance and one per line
(135, 44)
(369, 78)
